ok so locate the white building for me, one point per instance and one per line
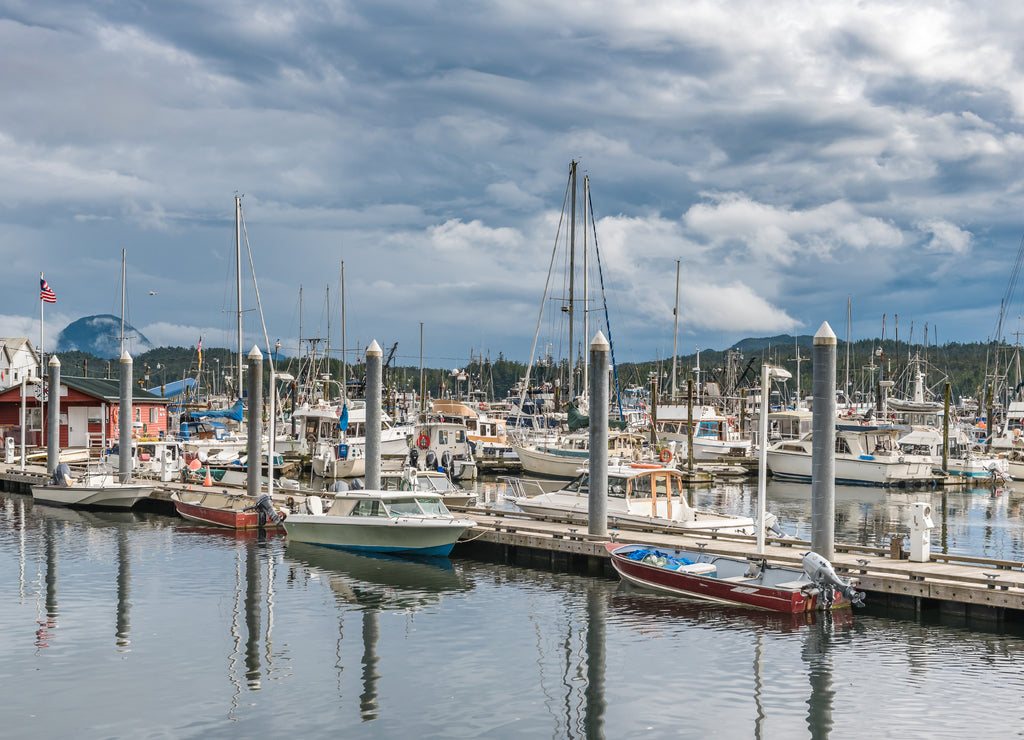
(18, 359)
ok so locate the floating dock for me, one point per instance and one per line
(957, 585)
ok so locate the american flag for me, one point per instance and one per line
(46, 294)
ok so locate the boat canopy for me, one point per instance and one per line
(235, 412)
(177, 388)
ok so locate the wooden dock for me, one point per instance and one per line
(969, 587)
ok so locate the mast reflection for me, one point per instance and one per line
(373, 583)
(123, 589)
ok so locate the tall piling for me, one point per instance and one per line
(374, 375)
(125, 419)
(254, 453)
(597, 523)
(53, 417)
(823, 445)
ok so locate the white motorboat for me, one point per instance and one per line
(864, 455)
(341, 453)
(99, 489)
(410, 522)
(638, 493)
(714, 435)
(444, 444)
(411, 479)
(564, 456)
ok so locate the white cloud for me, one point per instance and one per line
(946, 237)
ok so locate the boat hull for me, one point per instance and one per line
(100, 497)
(741, 592)
(232, 517)
(551, 465)
(855, 471)
(396, 535)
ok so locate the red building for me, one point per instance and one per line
(88, 413)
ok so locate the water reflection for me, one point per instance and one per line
(374, 583)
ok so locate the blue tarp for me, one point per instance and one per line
(235, 412)
(174, 389)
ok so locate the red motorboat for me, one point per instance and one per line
(732, 580)
(224, 509)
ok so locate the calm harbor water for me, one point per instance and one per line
(142, 625)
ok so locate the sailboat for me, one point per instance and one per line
(556, 454)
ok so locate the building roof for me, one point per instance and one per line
(108, 389)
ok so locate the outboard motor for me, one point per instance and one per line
(358, 485)
(61, 473)
(339, 486)
(431, 460)
(414, 456)
(446, 462)
(264, 507)
(820, 570)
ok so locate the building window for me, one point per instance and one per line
(138, 414)
(152, 414)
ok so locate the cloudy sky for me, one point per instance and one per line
(790, 155)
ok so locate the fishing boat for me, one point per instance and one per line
(714, 435)
(864, 455)
(731, 580)
(404, 522)
(638, 493)
(98, 489)
(443, 444)
(226, 509)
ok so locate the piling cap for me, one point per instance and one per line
(825, 335)
(255, 354)
(599, 342)
(125, 357)
(54, 362)
(374, 350)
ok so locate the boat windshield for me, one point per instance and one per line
(417, 506)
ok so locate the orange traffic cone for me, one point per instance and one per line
(207, 481)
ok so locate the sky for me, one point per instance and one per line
(790, 157)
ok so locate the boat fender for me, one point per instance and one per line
(666, 455)
(423, 442)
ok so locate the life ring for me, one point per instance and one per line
(423, 442)
(666, 455)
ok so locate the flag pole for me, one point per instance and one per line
(41, 357)
(42, 362)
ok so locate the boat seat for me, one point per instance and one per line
(793, 584)
(315, 505)
(738, 579)
(698, 569)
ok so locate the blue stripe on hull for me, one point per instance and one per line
(438, 550)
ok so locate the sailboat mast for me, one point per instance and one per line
(327, 351)
(848, 314)
(675, 336)
(122, 302)
(344, 345)
(586, 293)
(238, 287)
(572, 271)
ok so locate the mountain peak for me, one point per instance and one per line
(100, 335)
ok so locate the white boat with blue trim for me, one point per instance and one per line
(864, 455)
(402, 522)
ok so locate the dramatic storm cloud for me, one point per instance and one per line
(788, 156)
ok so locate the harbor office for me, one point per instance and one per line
(89, 413)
